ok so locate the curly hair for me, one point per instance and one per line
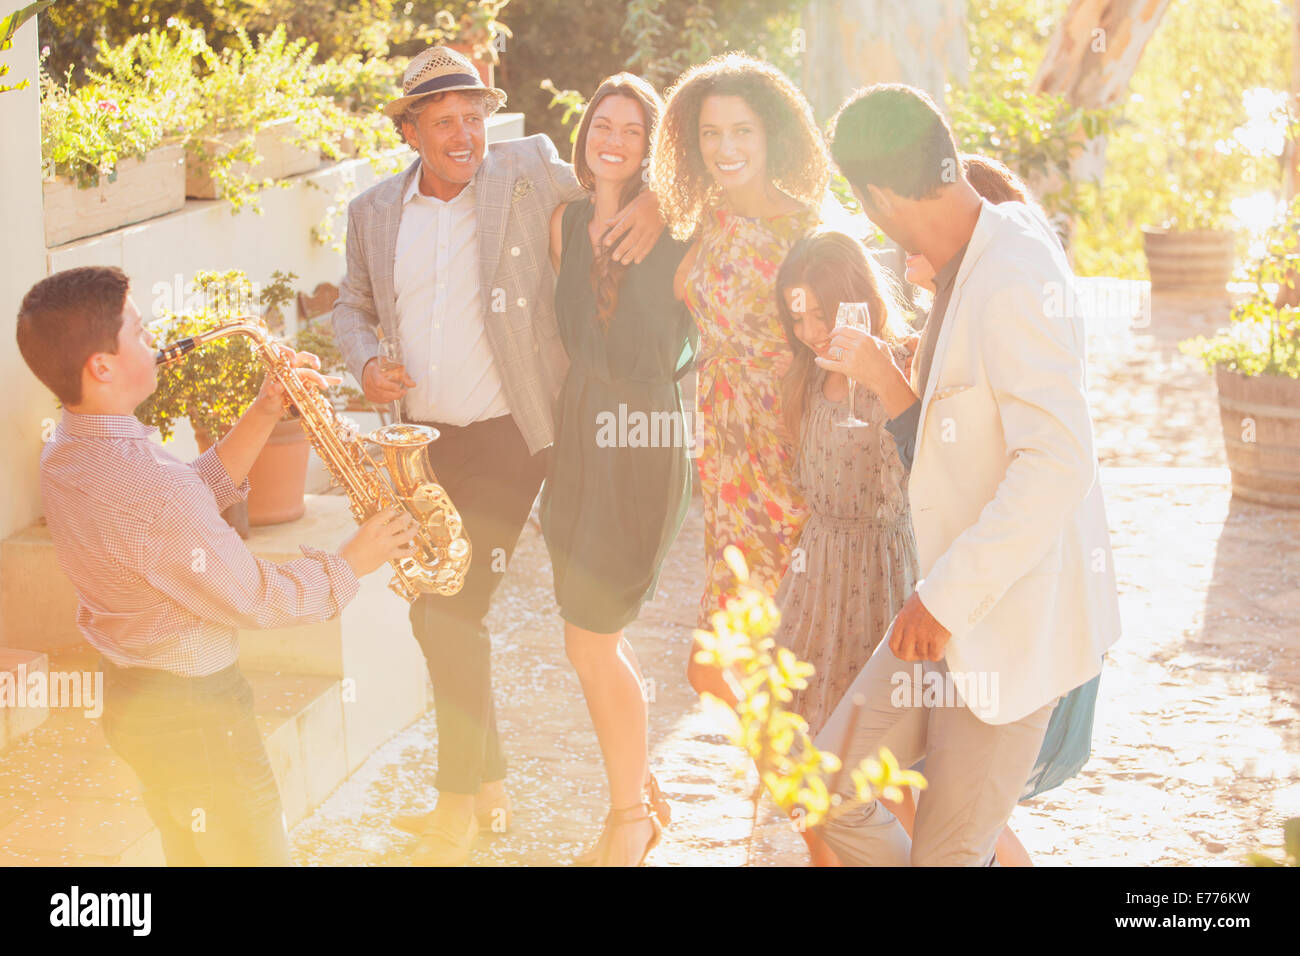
(798, 162)
(606, 274)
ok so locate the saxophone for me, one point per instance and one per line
(443, 550)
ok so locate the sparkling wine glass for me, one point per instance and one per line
(393, 365)
(853, 315)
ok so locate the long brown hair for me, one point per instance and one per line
(797, 159)
(993, 180)
(606, 274)
(835, 268)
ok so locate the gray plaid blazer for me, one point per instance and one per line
(517, 187)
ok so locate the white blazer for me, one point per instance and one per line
(1010, 525)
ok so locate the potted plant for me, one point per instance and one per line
(317, 337)
(1190, 251)
(214, 385)
(1256, 363)
(359, 88)
(107, 160)
(1189, 246)
(254, 108)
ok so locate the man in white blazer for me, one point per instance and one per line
(1017, 602)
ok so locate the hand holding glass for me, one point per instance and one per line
(853, 315)
(393, 366)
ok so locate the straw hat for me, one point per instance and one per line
(440, 69)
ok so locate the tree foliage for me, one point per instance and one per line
(1172, 155)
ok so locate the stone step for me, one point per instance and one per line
(24, 697)
(67, 799)
(368, 648)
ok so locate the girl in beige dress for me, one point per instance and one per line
(856, 562)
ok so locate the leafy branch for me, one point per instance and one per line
(802, 779)
(8, 27)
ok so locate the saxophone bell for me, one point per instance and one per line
(404, 449)
(408, 482)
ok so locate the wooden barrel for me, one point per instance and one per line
(1261, 432)
(1198, 260)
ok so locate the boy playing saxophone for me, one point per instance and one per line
(163, 583)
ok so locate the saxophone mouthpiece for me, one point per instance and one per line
(174, 351)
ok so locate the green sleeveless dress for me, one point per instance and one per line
(620, 473)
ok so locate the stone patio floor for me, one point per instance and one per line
(1195, 758)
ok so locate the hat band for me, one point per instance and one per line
(442, 82)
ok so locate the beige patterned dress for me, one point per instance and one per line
(855, 563)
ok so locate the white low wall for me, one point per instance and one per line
(24, 402)
(162, 255)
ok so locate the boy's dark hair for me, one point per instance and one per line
(65, 319)
(893, 136)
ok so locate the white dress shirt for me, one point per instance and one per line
(440, 314)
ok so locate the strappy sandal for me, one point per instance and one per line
(658, 802)
(654, 796)
(624, 817)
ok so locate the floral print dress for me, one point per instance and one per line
(745, 456)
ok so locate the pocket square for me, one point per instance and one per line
(948, 391)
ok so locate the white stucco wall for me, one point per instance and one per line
(162, 255)
(24, 402)
(202, 235)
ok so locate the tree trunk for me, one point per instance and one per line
(1090, 60)
(854, 43)
(1096, 48)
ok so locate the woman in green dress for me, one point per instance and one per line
(619, 482)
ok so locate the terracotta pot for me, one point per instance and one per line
(278, 478)
(1197, 260)
(1261, 434)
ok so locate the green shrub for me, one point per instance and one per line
(1037, 135)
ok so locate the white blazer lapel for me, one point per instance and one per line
(985, 226)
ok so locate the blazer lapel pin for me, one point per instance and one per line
(522, 188)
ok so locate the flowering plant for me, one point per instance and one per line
(802, 780)
(1263, 335)
(86, 131)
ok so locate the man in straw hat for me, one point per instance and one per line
(449, 259)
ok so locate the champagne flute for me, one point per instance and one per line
(393, 366)
(853, 315)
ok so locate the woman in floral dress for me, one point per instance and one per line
(741, 168)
